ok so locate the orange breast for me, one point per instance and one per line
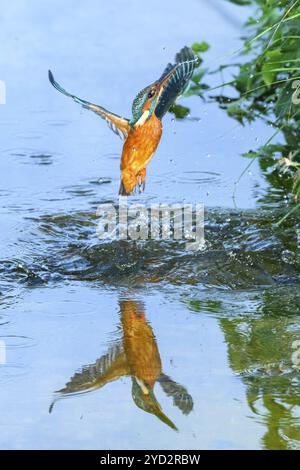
(140, 344)
(140, 145)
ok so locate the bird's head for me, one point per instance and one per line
(143, 396)
(158, 97)
(144, 104)
(147, 100)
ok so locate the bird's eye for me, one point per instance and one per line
(151, 94)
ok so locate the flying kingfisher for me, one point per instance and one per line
(143, 131)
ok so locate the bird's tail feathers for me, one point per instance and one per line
(138, 188)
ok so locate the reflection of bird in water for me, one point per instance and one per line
(137, 356)
(143, 132)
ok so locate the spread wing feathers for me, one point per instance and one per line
(186, 54)
(175, 79)
(167, 70)
(107, 368)
(117, 124)
(181, 398)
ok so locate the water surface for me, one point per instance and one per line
(213, 332)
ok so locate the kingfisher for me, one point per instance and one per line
(135, 355)
(142, 133)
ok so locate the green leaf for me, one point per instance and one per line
(268, 72)
(180, 112)
(241, 2)
(200, 46)
(284, 101)
(236, 112)
(250, 154)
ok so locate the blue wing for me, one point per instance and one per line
(175, 79)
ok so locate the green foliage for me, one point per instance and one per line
(268, 87)
(241, 2)
(179, 111)
(200, 46)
